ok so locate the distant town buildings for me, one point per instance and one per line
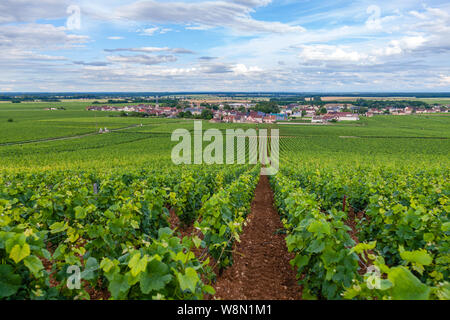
(55, 108)
(221, 115)
(241, 112)
(337, 116)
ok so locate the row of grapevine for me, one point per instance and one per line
(222, 217)
(403, 226)
(113, 226)
(320, 241)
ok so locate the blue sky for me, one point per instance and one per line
(238, 45)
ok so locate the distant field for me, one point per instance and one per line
(392, 138)
(408, 138)
(31, 122)
(366, 98)
(445, 101)
(85, 100)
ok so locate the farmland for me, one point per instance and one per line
(354, 205)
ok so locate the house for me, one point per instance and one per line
(229, 119)
(270, 119)
(310, 112)
(337, 116)
(238, 105)
(317, 119)
(334, 107)
(238, 119)
(255, 118)
(347, 116)
(194, 111)
(375, 111)
(280, 116)
(330, 116)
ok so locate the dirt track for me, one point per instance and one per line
(261, 269)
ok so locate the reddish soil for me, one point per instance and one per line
(261, 269)
(98, 293)
(182, 230)
(351, 222)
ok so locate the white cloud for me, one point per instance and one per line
(152, 50)
(331, 53)
(32, 10)
(396, 47)
(153, 30)
(150, 31)
(142, 59)
(253, 3)
(348, 48)
(242, 69)
(38, 36)
(444, 80)
(198, 27)
(418, 15)
(232, 15)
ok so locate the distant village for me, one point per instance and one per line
(245, 113)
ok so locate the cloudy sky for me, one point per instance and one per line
(235, 45)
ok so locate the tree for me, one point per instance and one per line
(207, 114)
(267, 107)
(346, 109)
(317, 99)
(323, 110)
(303, 113)
(363, 110)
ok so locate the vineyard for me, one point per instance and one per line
(367, 233)
(364, 211)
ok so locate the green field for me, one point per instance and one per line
(396, 138)
(70, 196)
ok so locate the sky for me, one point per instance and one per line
(236, 45)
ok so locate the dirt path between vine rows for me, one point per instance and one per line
(261, 269)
